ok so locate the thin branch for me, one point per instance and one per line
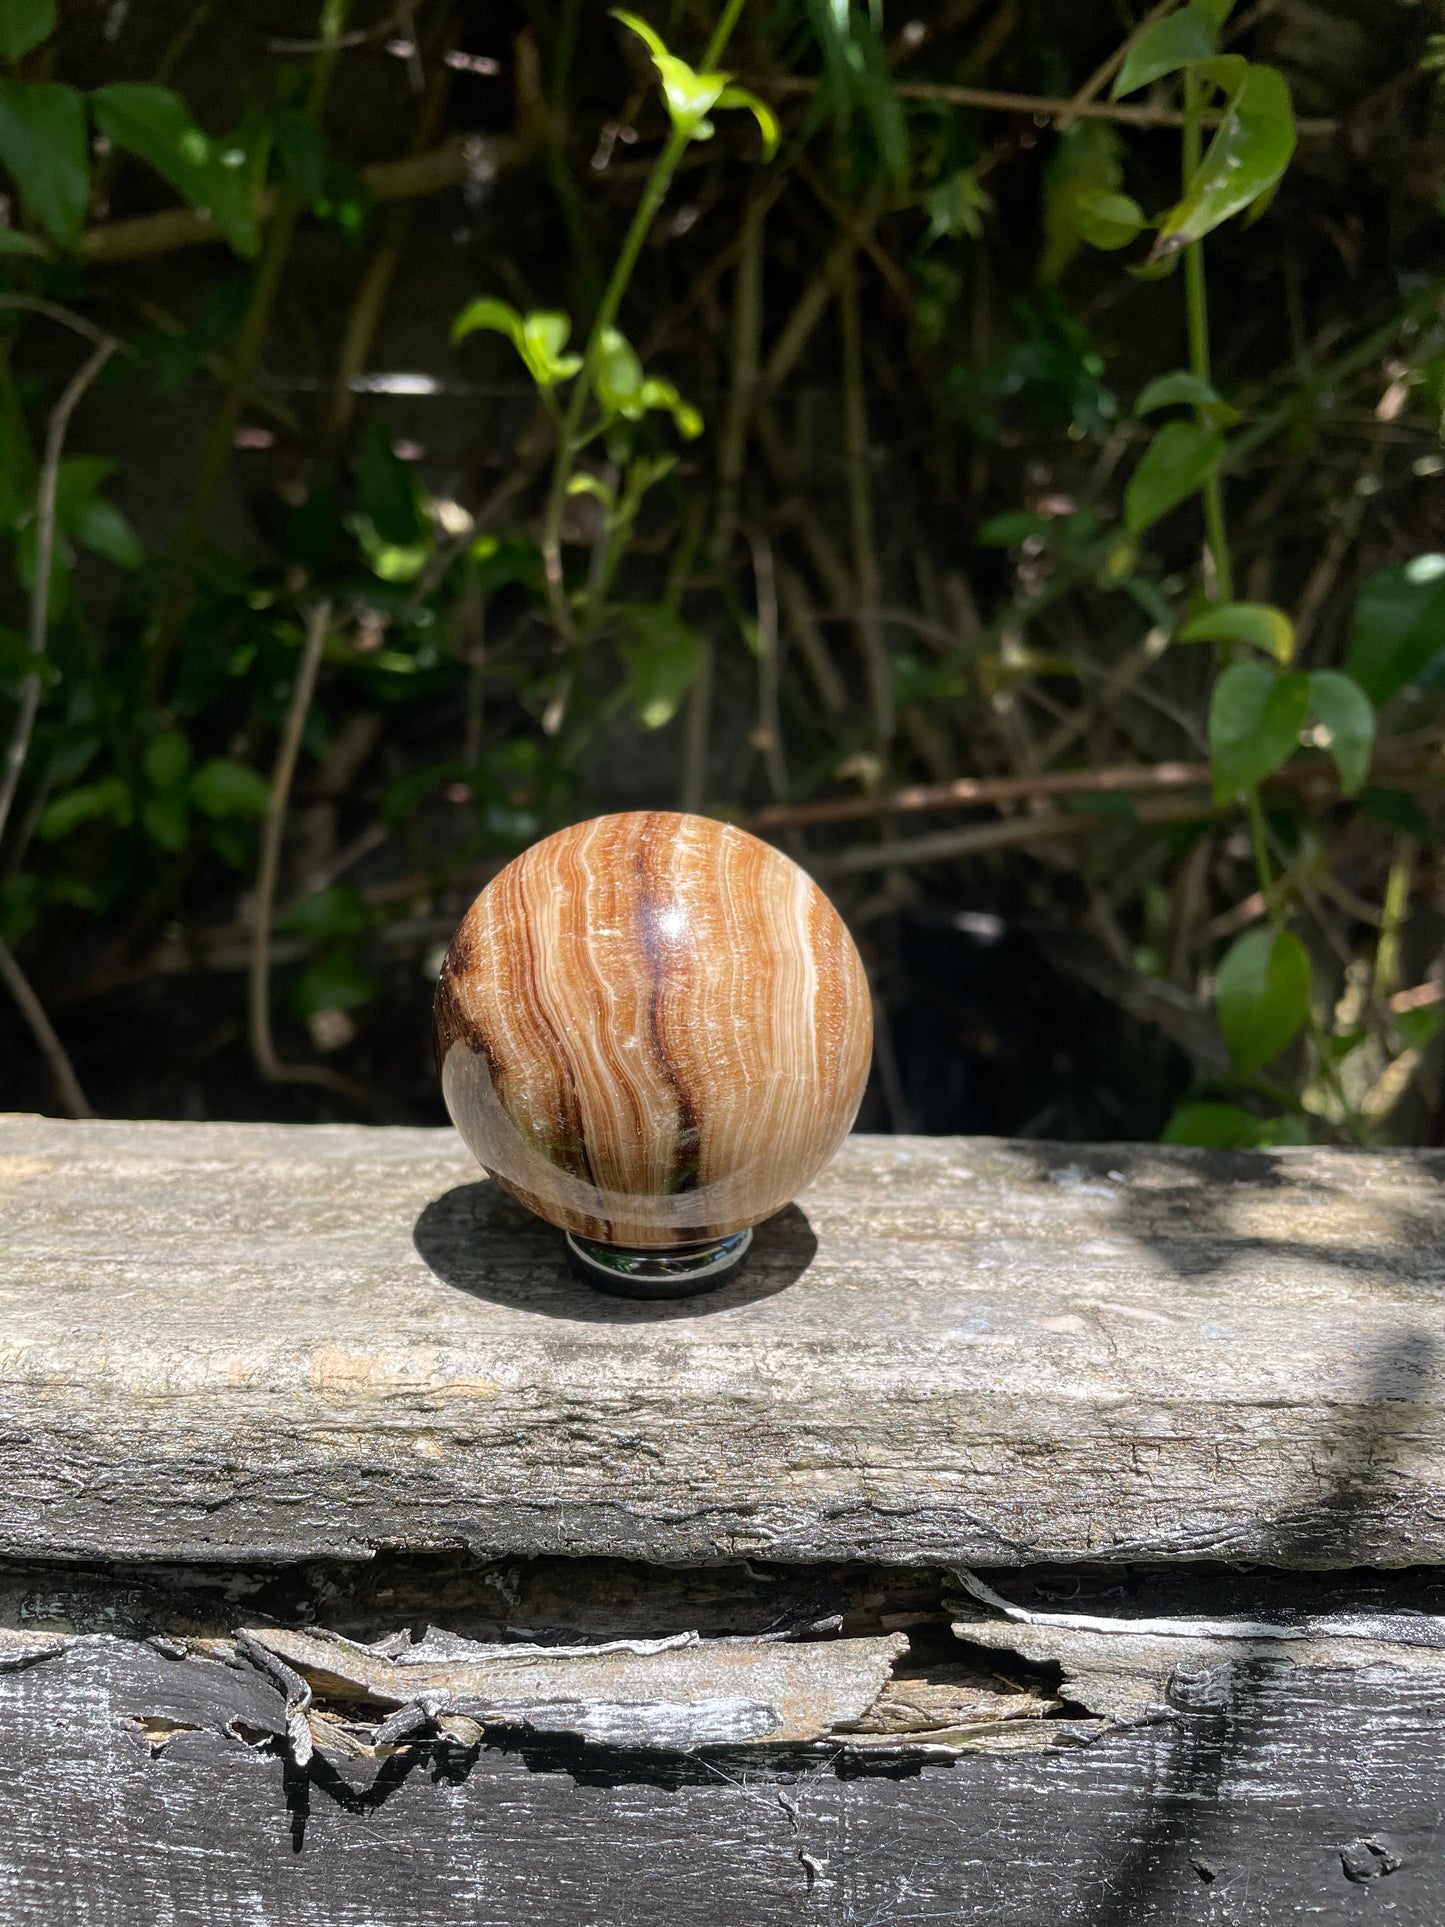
(410, 179)
(33, 1011)
(67, 317)
(1051, 827)
(1107, 69)
(44, 555)
(1047, 106)
(873, 644)
(979, 791)
(263, 1047)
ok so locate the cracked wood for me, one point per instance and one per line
(233, 1343)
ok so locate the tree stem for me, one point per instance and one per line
(1196, 309)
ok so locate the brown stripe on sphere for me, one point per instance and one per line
(653, 1029)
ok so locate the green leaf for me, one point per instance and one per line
(87, 517)
(166, 820)
(388, 491)
(1418, 1027)
(1262, 994)
(538, 337)
(1399, 627)
(156, 126)
(1347, 713)
(1108, 220)
(1180, 386)
(167, 760)
(957, 205)
(301, 150)
(1399, 809)
(661, 655)
(690, 95)
(333, 983)
(1171, 43)
(1256, 623)
(334, 913)
(686, 419)
(105, 801)
(1085, 164)
(1248, 154)
(1006, 531)
(23, 25)
(42, 144)
(1226, 1127)
(618, 375)
(765, 117)
(1254, 725)
(12, 241)
(1173, 467)
(223, 789)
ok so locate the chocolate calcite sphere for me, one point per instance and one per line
(653, 1030)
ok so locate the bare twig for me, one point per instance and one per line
(871, 639)
(44, 555)
(263, 1047)
(33, 1011)
(1050, 827)
(769, 735)
(978, 791)
(1107, 69)
(1046, 106)
(444, 167)
(743, 381)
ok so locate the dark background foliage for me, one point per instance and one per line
(899, 553)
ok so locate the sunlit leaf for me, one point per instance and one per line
(1255, 718)
(662, 395)
(1262, 994)
(1256, 623)
(763, 114)
(1248, 154)
(1348, 714)
(1175, 465)
(43, 147)
(661, 654)
(690, 95)
(1399, 627)
(618, 375)
(1171, 43)
(23, 25)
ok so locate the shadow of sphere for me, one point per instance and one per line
(479, 1240)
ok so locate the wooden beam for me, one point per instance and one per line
(138, 1788)
(257, 1343)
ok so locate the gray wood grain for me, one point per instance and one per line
(142, 1792)
(239, 1343)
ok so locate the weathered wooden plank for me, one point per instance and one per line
(253, 1342)
(141, 1792)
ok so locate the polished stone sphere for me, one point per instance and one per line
(653, 1029)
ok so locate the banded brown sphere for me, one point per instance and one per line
(653, 1029)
